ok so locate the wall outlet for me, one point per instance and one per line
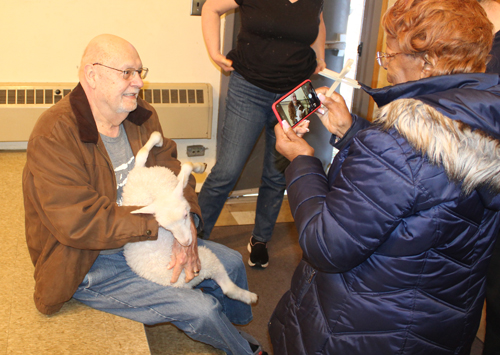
(195, 150)
(196, 6)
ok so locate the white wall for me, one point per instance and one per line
(42, 41)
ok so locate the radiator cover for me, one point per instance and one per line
(184, 109)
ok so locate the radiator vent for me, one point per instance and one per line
(23, 96)
(184, 110)
(173, 96)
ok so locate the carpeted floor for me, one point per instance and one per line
(270, 284)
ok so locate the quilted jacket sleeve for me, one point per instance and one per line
(343, 219)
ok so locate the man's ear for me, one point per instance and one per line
(90, 75)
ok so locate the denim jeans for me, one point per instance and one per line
(203, 313)
(248, 111)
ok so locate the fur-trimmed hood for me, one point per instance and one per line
(453, 119)
(467, 155)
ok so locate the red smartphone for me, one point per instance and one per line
(297, 105)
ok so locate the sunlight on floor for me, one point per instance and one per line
(240, 211)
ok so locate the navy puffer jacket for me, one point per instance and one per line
(397, 238)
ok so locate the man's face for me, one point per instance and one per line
(118, 96)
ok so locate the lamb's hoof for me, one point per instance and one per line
(252, 298)
(199, 167)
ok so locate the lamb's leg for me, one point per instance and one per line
(142, 155)
(212, 268)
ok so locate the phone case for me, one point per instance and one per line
(306, 103)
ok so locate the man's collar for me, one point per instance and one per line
(85, 119)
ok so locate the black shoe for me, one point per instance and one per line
(254, 344)
(258, 253)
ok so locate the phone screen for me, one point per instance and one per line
(297, 105)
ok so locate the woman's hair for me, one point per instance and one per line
(452, 36)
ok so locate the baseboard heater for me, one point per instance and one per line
(184, 109)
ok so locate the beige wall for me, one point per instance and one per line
(42, 41)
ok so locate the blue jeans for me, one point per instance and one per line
(248, 111)
(203, 313)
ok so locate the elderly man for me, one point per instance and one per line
(78, 158)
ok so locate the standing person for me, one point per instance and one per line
(78, 158)
(280, 44)
(492, 336)
(396, 239)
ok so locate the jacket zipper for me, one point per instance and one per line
(311, 277)
(110, 166)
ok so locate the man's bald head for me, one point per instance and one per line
(105, 49)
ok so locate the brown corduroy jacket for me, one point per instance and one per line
(70, 192)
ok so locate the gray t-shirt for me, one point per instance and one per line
(123, 160)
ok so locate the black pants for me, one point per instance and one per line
(492, 339)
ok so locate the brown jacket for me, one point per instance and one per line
(70, 195)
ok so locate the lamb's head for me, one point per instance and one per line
(171, 210)
(174, 216)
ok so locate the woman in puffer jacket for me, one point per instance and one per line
(396, 238)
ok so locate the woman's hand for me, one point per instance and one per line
(320, 65)
(224, 63)
(334, 113)
(289, 144)
(302, 128)
(185, 258)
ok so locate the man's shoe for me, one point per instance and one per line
(254, 344)
(258, 253)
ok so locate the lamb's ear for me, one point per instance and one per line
(146, 210)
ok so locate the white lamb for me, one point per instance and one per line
(161, 192)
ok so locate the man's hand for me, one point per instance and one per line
(289, 144)
(185, 258)
(334, 115)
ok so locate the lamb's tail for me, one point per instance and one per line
(155, 139)
(189, 167)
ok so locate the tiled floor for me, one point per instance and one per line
(239, 211)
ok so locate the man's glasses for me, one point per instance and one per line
(383, 58)
(128, 73)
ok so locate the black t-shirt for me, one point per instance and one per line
(494, 64)
(273, 49)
